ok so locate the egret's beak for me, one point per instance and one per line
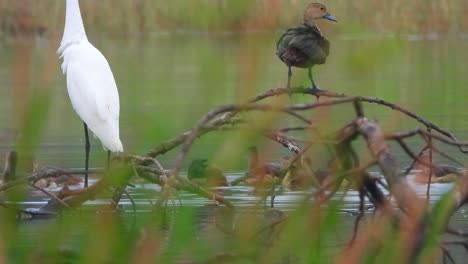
(330, 17)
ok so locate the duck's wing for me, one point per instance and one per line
(306, 41)
(274, 169)
(443, 170)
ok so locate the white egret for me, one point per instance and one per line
(91, 85)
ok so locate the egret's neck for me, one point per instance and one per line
(74, 28)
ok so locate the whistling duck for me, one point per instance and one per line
(262, 174)
(304, 46)
(300, 175)
(256, 165)
(440, 174)
(65, 179)
(205, 174)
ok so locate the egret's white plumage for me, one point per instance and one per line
(90, 82)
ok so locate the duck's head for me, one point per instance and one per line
(316, 11)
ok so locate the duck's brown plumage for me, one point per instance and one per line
(303, 46)
(441, 173)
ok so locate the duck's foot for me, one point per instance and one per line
(290, 92)
(316, 91)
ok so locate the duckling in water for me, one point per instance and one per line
(440, 174)
(304, 46)
(206, 174)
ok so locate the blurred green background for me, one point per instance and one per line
(173, 61)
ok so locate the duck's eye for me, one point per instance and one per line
(323, 8)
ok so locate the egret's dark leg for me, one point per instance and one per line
(289, 77)
(87, 147)
(108, 159)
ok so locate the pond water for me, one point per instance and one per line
(206, 212)
(167, 81)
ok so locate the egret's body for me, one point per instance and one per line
(90, 82)
(93, 92)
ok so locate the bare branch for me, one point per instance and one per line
(51, 195)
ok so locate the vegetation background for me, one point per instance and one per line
(128, 17)
(174, 61)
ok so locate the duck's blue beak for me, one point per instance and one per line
(330, 17)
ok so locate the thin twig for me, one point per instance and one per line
(428, 191)
(358, 218)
